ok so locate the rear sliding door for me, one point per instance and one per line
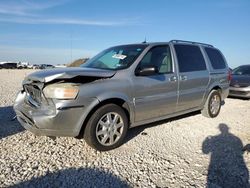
(193, 76)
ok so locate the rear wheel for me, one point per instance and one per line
(213, 105)
(106, 128)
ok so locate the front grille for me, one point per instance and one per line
(27, 119)
(34, 92)
(238, 85)
(238, 92)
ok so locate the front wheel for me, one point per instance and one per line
(106, 128)
(212, 106)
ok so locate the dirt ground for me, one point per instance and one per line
(187, 151)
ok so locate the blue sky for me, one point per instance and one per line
(46, 31)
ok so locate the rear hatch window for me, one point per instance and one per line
(216, 59)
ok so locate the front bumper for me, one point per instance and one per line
(243, 92)
(65, 118)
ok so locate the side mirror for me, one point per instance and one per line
(147, 71)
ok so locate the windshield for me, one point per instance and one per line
(243, 70)
(115, 58)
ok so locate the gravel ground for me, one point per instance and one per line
(188, 151)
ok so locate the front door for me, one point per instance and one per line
(155, 95)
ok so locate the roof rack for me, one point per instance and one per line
(190, 42)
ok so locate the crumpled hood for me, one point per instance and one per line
(67, 73)
(241, 80)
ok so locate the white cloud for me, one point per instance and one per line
(26, 12)
(23, 20)
(13, 11)
(26, 7)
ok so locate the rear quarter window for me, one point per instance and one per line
(216, 59)
(189, 58)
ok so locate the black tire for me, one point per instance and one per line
(207, 111)
(90, 134)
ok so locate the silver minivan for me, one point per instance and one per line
(123, 87)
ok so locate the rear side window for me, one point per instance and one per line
(189, 58)
(215, 58)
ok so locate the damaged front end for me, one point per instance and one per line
(49, 104)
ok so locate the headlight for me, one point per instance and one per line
(61, 91)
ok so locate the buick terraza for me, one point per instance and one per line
(123, 87)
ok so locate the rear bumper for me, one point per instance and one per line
(50, 121)
(224, 93)
(243, 92)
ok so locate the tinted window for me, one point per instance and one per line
(189, 58)
(160, 57)
(242, 70)
(215, 58)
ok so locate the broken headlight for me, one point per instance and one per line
(61, 91)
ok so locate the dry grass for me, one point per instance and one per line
(77, 62)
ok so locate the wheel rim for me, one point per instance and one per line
(109, 129)
(215, 104)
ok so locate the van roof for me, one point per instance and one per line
(171, 41)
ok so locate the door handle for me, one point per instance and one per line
(173, 79)
(183, 77)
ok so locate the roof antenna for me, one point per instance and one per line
(145, 41)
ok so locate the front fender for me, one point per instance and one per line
(117, 95)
